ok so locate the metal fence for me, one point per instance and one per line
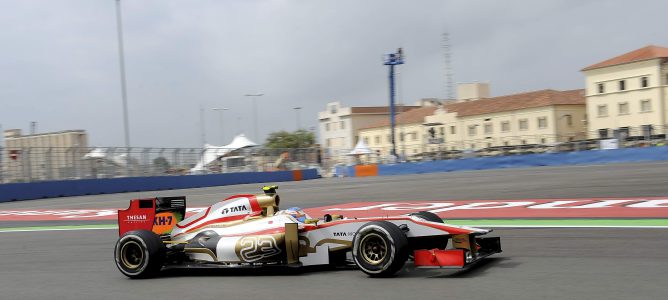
(481, 146)
(28, 164)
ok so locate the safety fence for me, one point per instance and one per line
(31, 164)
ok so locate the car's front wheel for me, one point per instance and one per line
(139, 254)
(380, 249)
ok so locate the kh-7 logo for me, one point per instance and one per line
(254, 248)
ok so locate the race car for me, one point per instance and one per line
(249, 231)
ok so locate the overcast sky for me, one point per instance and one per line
(59, 58)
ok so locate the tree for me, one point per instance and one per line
(161, 163)
(283, 139)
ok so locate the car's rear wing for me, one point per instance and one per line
(158, 214)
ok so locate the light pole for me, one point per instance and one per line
(221, 110)
(393, 59)
(119, 27)
(253, 97)
(297, 109)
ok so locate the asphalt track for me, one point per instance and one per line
(557, 263)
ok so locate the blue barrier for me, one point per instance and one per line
(529, 160)
(521, 161)
(66, 188)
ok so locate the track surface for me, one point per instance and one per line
(537, 263)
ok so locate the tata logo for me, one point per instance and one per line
(233, 209)
(344, 233)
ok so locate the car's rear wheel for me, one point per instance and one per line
(380, 249)
(139, 254)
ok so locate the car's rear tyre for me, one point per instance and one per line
(427, 216)
(139, 254)
(380, 249)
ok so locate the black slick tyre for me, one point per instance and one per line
(380, 249)
(139, 254)
(427, 216)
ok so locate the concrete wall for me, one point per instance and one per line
(66, 188)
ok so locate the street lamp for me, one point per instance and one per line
(124, 95)
(253, 97)
(222, 131)
(297, 109)
(391, 60)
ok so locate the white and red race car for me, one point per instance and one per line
(249, 231)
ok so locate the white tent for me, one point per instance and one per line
(360, 149)
(102, 154)
(212, 153)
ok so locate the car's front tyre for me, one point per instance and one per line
(380, 249)
(139, 254)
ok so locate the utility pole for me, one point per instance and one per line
(256, 136)
(221, 110)
(391, 60)
(297, 109)
(124, 94)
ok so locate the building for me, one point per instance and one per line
(626, 94)
(409, 133)
(44, 156)
(539, 117)
(338, 125)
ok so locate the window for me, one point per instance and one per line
(505, 126)
(326, 126)
(602, 110)
(376, 139)
(401, 137)
(524, 124)
(389, 138)
(543, 141)
(329, 142)
(472, 146)
(332, 109)
(623, 108)
(647, 131)
(644, 82)
(441, 131)
(601, 88)
(506, 143)
(603, 133)
(542, 122)
(452, 130)
(342, 125)
(472, 130)
(622, 85)
(569, 120)
(524, 142)
(645, 105)
(488, 128)
(366, 140)
(489, 145)
(414, 135)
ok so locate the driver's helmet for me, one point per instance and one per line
(295, 212)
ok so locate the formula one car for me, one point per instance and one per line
(249, 231)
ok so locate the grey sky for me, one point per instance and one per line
(59, 61)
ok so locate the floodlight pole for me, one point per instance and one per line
(392, 60)
(253, 97)
(124, 94)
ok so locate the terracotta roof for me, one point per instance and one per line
(516, 102)
(410, 117)
(378, 109)
(645, 53)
